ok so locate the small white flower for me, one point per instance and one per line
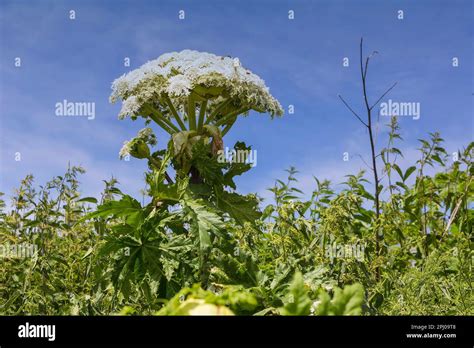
(119, 88)
(130, 107)
(179, 85)
(147, 135)
(236, 62)
(125, 150)
(145, 132)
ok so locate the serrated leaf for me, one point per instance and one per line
(203, 222)
(347, 301)
(300, 302)
(127, 207)
(241, 208)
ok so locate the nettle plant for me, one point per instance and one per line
(196, 98)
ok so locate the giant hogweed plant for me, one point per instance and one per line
(196, 98)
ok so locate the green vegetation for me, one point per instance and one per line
(200, 247)
(197, 248)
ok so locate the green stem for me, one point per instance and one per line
(162, 124)
(165, 120)
(230, 116)
(175, 113)
(217, 110)
(191, 113)
(229, 126)
(202, 112)
(157, 165)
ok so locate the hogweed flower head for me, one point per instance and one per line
(177, 75)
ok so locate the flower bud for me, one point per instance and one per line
(139, 149)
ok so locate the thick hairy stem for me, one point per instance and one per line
(157, 113)
(202, 113)
(230, 116)
(175, 113)
(191, 113)
(218, 109)
(195, 176)
(229, 126)
(162, 124)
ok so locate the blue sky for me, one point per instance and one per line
(300, 60)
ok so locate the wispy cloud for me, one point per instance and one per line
(300, 59)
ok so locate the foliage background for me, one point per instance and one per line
(277, 264)
(110, 250)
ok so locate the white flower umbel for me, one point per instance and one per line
(177, 75)
(130, 107)
(179, 85)
(145, 134)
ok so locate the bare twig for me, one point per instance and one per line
(347, 105)
(363, 160)
(364, 66)
(383, 95)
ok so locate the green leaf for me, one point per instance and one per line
(208, 167)
(349, 301)
(344, 302)
(397, 151)
(87, 199)
(397, 168)
(164, 192)
(438, 159)
(169, 266)
(408, 173)
(241, 208)
(203, 222)
(127, 207)
(299, 303)
(89, 251)
(9, 302)
(401, 184)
